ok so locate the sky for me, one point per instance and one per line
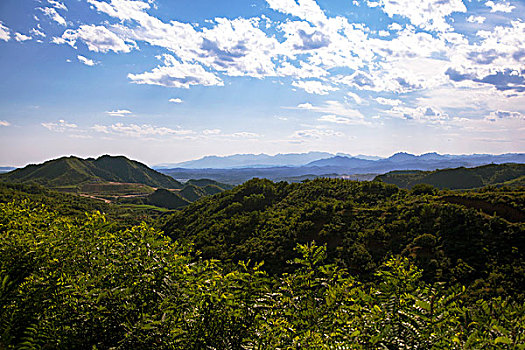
(172, 80)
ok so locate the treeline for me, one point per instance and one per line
(473, 238)
(71, 282)
(509, 174)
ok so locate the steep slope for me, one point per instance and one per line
(458, 178)
(73, 171)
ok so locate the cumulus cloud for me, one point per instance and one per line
(307, 10)
(119, 113)
(135, 130)
(496, 60)
(314, 87)
(60, 126)
(421, 114)
(57, 4)
(54, 15)
(175, 100)
(4, 123)
(4, 32)
(476, 19)
(495, 115)
(319, 53)
(428, 14)
(86, 61)
(97, 39)
(38, 32)
(501, 6)
(176, 74)
(21, 37)
(387, 101)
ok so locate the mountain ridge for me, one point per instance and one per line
(459, 178)
(262, 160)
(73, 171)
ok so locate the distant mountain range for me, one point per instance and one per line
(339, 165)
(256, 160)
(5, 169)
(74, 171)
(459, 178)
(341, 160)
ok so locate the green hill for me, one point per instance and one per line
(74, 171)
(192, 193)
(459, 178)
(362, 223)
(166, 199)
(207, 182)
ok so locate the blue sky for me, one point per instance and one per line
(167, 81)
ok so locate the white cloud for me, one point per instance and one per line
(4, 123)
(176, 74)
(383, 33)
(245, 135)
(335, 108)
(476, 19)
(97, 39)
(428, 14)
(86, 61)
(60, 126)
(37, 32)
(314, 87)
(355, 97)
(119, 113)
(145, 130)
(422, 114)
(54, 15)
(316, 134)
(175, 100)
(208, 132)
(387, 101)
(57, 5)
(307, 10)
(494, 116)
(330, 118)
(21, 37)
(496, 60)
(501, 6)
(4, 32)
(395, 26)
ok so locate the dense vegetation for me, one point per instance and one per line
(175, 199)
(459, 178)
(77, 206)
(362, 223)
(70, 283)
(73, 171)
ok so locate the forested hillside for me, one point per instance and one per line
(459, 178)
(74, 171)
(446, 234)
(71, 283)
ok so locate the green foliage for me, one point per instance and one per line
(459, 178)
(75, 206)
(79, 283)
(362, 223)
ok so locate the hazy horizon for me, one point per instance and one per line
(164, 81)
(237, 154)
